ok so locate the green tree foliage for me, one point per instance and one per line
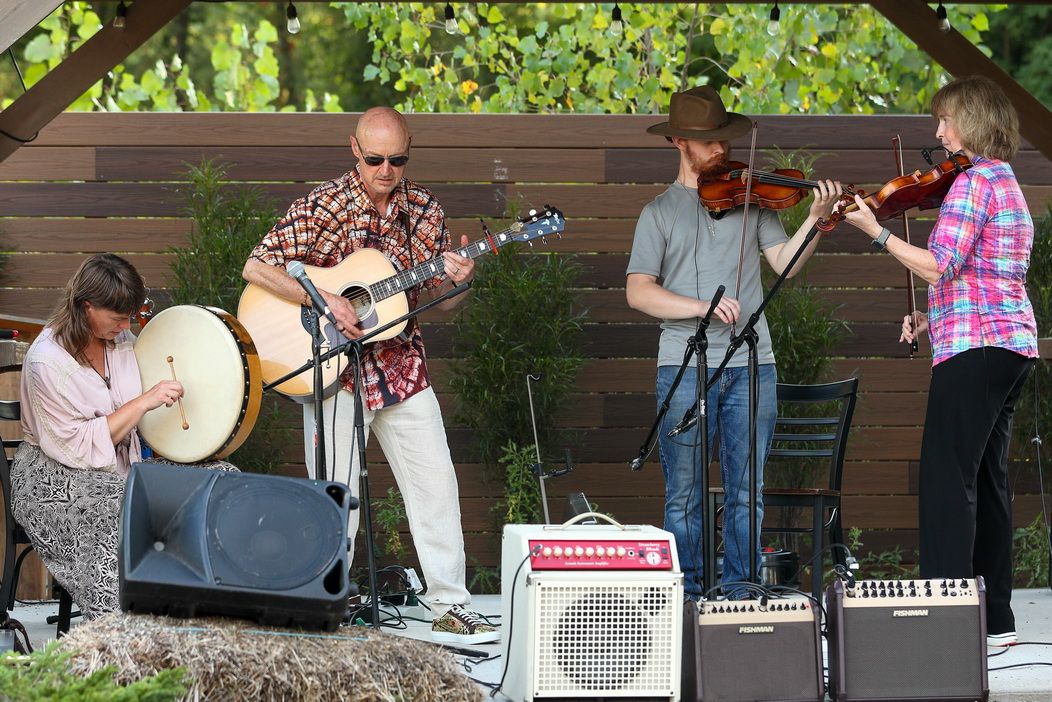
(1021, 40)
(562, 57)
(543, 57)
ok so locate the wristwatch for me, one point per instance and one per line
(880, 243)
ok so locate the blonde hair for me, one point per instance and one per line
(108, 282)
(982, 115)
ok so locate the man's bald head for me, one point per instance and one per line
(382, 123)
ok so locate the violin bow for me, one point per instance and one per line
(745, 221)
(911, 293)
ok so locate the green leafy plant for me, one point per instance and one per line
(881, 565)
(523, 320)
(389, 516)
(1030, 553)
(227, 223)
(44, 676)
(522, 492)
(1033, 415)
(484, 579)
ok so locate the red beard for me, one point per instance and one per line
(711, 168)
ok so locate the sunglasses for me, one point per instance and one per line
(396, 161)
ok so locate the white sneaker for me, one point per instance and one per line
(1008, 638)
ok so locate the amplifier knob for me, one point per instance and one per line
(558, 551)
(589, 551)
(547, 551)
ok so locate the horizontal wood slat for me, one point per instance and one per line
(454, 130)
(308, 163)
(459, 200)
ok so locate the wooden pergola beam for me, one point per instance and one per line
(19, 16)
(916, 19)
(89, 63)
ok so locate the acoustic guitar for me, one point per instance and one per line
(280, 328)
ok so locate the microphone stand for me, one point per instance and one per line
(354, 349)
(699, 345)
(749, 336)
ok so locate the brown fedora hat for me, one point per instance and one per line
(699, 113)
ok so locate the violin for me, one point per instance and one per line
(784, 187)
(923, 191)
(774, 190)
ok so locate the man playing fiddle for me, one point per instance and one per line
(680, 255)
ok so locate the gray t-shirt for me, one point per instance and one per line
(692, 254)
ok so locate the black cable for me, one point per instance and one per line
(9, 135)
(511, 621)
(821, 552)
(1018, 665)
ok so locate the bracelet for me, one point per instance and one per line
(880, 243)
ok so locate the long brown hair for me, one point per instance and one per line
(984, 117)
(108, 282)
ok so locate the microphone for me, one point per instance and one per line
(8, 333)
(297, 271)
(691, 416)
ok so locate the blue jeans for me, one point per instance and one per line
(728, 410)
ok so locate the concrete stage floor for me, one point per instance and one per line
(1031, 681)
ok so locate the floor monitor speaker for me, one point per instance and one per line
(268, 548)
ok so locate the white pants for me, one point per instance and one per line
(413, 439)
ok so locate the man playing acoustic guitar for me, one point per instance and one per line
(374, 206)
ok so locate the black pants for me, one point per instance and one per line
(965, 505)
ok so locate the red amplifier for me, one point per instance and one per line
(601, 554)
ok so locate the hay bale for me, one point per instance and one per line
(229, 659)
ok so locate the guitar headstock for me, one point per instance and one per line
(538, 224)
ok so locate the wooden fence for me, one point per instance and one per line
(110, 182)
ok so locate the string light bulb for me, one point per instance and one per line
(772, 23)
(617, 23)
(944, 21)
(293, 19)
(120, 17)
(451, 20)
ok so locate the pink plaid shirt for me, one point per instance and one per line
(981, 243)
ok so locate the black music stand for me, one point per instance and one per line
(354, 348)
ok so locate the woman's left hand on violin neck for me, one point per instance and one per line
(863, 218)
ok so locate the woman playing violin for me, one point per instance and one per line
(984, 342)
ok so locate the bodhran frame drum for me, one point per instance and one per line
(211, 354)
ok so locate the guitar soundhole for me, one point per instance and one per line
(362, 301)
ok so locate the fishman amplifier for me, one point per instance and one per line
(752, 651)
(907, 640)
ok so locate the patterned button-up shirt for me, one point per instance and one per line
(336, 219)
(981, 243)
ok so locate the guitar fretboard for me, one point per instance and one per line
(416, 275)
